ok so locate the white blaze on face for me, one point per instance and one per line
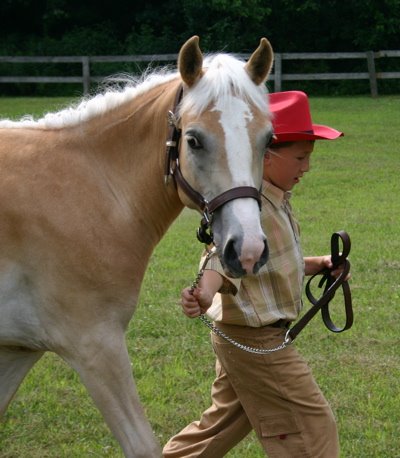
(241, 217)
(234, 120)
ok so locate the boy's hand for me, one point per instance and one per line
(315, 264)
(196, 303)
(327, 263)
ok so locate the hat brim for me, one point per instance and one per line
(319, 133)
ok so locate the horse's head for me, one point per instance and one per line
(226, 127)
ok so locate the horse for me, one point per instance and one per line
(87, 192)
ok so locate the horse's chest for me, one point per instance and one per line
(19, 321)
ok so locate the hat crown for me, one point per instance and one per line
(291, 112)
(291, 118)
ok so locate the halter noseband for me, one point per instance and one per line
(172, 169)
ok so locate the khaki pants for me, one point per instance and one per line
(274, 394)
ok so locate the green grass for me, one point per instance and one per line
(353, 185)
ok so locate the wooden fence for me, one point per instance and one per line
(86, 78)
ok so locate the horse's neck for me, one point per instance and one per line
(129, 145)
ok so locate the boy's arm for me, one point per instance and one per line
(314, 264)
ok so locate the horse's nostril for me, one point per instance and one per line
(263, 258)
(231, 259)
(230, 253)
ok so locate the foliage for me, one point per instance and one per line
(119, 27)
(353, 185)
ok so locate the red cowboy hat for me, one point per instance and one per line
(292, 119)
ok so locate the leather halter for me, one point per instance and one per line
(172, 169)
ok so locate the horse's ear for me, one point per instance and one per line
(190, 61)
(260, 63)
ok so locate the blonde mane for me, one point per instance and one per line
(119, 90)
(224, 75)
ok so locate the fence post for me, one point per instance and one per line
(372, 74)
(278, 72)
(86, 74)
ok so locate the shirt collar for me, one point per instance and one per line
(274, 194)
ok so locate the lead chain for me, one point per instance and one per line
(260, 351)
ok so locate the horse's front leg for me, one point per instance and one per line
(15, 363)
(103, 364)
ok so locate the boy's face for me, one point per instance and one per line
(283, 167)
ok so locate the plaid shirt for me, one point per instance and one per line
(275, 292)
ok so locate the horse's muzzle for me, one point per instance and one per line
(237, 265)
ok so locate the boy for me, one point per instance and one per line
(275, 393)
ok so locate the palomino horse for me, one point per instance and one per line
(83, 203)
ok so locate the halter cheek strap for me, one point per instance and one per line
(174, 136)
(172, 169)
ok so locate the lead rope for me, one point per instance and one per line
(260, 351)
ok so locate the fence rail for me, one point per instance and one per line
(86, 78)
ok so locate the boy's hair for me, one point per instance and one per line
(279, 145)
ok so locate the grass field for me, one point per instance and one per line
(354, 184)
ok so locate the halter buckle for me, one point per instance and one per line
(204, 232)
(172, 119)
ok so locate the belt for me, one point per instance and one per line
(283, 324)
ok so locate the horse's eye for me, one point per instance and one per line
(193, 142)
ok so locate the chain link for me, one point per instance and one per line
(260, 351)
